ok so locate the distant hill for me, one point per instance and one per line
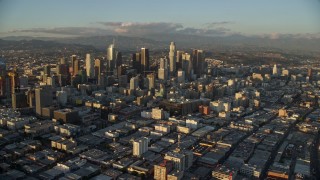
(40, 45)
(184, 41)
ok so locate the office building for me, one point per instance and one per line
(162, 170)
(140, 146)
(151, 80)
(89, 66)
(198, 62)
(43, 97)
(47, 70)
(179, 60)
(19, 100)
(123, 81)
(163, 69)
(111, 54)
(136, 61)
(75, 65)
(134, 83)
(275, 70)
(118, 59)
(181, 76)
(145, 66)
(178, 159)
(3, 71)
(172, 58)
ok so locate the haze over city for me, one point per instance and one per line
(164, 90)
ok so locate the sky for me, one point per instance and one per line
(135, 17)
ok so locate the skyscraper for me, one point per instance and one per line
(75, 65)
(163, 69)
(43, 97)
(150, 78)
(89, 66)
(97, 70)
(134, 83)
(161, 171)
(118, 59)
(111, 53)
(172, 58)
(179, 60)
(309, 74)
(140, 146)
(187, 65)
(3, 71)
(47, 70)
(144, 60)
(198, 62)
(275, 70)
(136, 62)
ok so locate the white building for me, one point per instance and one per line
(172, 57)
(140, 146)
(134, 83)
(89, 66)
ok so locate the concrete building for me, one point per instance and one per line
(140, 146)
(89, 66)
(134, 83)
(161, 171)
(145, 64)
(43, 98)
(172, 58)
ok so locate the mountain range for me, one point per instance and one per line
(184, 41)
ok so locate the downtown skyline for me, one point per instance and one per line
(206, 18)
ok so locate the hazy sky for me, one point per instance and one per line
(211, 17)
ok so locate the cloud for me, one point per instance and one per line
(131, 29)
(218, 24)
(136, 28)
(276, 36)
(206, 31)
(74, 31)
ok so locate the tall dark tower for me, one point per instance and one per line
(309, 74)
(75, 65)
(144, 60)
(198, 62)
(136, 62)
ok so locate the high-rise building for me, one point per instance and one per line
(144, 60)
(151, 80)
(47, 70)
(97, 69)
(62, 61)
(179, 60)
(161, 171)
(118, 59)
(309, 74)
(111, 56)
(198, 62)
(140, 146)
(43, 97)
(123, 80)
(275, 70)
(187, 65)
(134, 83)
(182, 160)
(3, 72)
(19, 100)
(163, 69)
(181, 76)
(136, 62)
(75, 65)
(89, 66)
(172, 58)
